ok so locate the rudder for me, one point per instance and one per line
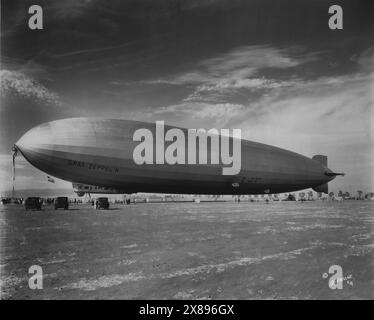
(321, 159)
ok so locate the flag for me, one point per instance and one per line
(50, 179)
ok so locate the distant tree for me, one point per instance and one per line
(359, 193)
(340, 193)
(310, 195)
(347, 195)
(331, 194)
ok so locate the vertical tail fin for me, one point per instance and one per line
(321, 159)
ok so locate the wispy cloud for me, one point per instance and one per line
(251, 58)
(325, 107)
(331, 116)
(241, 69)
(18, 83)
(237, 72)
(219, 114)
(365, 59)
(228, 86)
(26, 102)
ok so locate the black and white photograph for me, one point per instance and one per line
(187, 151)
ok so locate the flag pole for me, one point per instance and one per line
(14, 154)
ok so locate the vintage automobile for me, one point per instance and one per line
(102, 203)
(33, 203)
(61, 202)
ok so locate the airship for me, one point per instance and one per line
(100, 152)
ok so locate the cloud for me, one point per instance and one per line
(365, 59)
(218, 114)
(253, 57)
(331, 116)
(251, 83)
(242, 63)
(322, 107)
(18, 83)
(216, 91)
(25, 103)
(237, 72)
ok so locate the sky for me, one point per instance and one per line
(274, 69)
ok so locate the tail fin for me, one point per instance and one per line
(321, 159)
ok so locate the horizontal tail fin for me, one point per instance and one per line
(334, 174)
(321, 159)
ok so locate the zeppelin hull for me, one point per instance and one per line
(100, 152)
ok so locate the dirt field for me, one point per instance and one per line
(190, 251)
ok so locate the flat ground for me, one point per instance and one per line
(190, 251)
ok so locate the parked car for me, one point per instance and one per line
(102, 203)
(290, 197)
(33, 203)
(5, 200)
(61, 202)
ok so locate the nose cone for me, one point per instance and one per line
(50, 135)
(49, 146)
(41, 143)
(35, 138)
(35, 144)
